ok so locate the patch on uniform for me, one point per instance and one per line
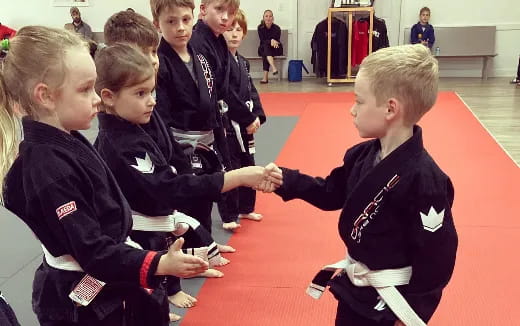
(66, 209)
(433, 220)
(144, 166)
(86, 290)
(208, 74)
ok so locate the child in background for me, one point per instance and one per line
(132, 28)
(92, 273)
(207, 39)
(423, 32)
(186, 95)
(395, 201)
(151, 168)
(241, 138)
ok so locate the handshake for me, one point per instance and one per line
(272, 180)
(266, 179)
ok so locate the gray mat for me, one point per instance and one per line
(20, 252)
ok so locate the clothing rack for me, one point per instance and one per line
(351, 12)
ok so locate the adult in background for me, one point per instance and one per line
(82, 28)
(79, 25)
(270, 45)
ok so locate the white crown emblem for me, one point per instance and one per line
(144, 166)
(433, 221)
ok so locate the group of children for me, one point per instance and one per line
(161, 160)
(152, 179)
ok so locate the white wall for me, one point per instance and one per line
(16, 15)
(503, 13)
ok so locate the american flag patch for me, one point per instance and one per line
(66, 209)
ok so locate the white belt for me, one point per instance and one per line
(193, 137)
(236, 127)
(68, 263)
(238, 135)
(384, 281)
(169, 223)
(88, 288)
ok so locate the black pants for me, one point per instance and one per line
(241, 200)
(518, 70)
(266, 50)
(7, 316)
(246, 195)
(345, 316)
(117, 318)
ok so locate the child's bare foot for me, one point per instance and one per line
(174, 317)
(210, 273)
(251, 216)
(225, 248)
(182, 300)
(231, 226)
(222, 262)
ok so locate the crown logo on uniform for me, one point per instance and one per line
(433, 221)
(144, 166)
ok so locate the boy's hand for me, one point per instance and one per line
(274, 181)
(179, 264)
(253, 127)
(399, 323)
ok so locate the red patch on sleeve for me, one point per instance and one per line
(145, 267)
(66, 209)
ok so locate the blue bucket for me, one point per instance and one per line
(295, 70)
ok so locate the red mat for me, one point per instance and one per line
(265, 283)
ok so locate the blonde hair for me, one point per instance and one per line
(234, 5)
(158, 6)
(409, 73)
(240, 18)
(119, 66)
(36, 55)
(8, 135)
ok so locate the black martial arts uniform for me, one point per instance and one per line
(395, 213)
(214, 48)
(157, 178)
(339, 51)
(153, 171)
(264, 48)
(379, 34)
(242, 144)
(184, 102)
(188, 103)
(61, 188)
(7, 315)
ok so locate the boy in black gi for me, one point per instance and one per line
(92, 273)
(396, 202)
(241, 139)
(207, 39)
